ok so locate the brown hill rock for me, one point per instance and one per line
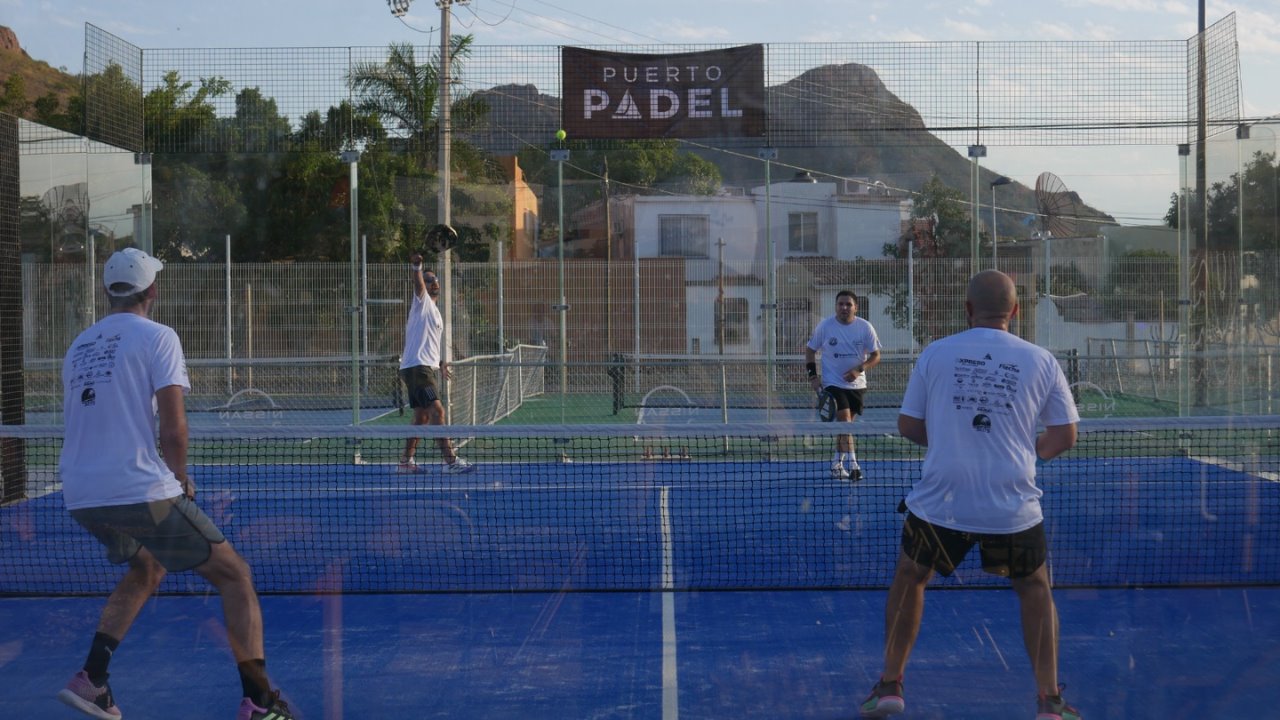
(38, 77)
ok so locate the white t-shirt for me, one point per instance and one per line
(982, 394)
(109, 379)
(843, 348)
(422, 332)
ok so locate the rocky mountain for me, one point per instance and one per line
(36, 78)
(837, 121)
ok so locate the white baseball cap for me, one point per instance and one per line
(133, 267)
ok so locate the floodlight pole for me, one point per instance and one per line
(770, 305)
(1184, 279)
(1200, 292)
(995, 237)
(559, 155)
(352, 159)
(1242, 135)
(976, 152)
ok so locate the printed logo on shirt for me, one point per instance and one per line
(982, 423)
(88, 397)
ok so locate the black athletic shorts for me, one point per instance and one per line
(420, 382)
(847, 399)
(175, 531)
(1016, 555)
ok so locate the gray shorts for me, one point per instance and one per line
(421, 383)
(175, 531)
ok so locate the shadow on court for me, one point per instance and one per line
(1167, 653)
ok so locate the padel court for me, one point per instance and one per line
(749, 586)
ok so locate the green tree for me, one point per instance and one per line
(939, 239)
(196, 203)
(194, 210)
(258, 126)
(112, 100)
(1143, 283)
(179, 115)
(14, 98)
(1259, 205)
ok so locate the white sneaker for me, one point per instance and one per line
(838, 472)
(409, 467)
(458, 466)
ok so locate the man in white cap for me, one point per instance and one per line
(117, 377)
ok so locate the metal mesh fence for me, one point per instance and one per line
(12, 396)
(819, 94)
(675, 261)
(286, 332)
(113, 90)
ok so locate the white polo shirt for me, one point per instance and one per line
(843, 348)
(109, 379)
(982, 394)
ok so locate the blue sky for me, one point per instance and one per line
(1136, 180)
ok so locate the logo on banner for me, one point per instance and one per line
(718, 93)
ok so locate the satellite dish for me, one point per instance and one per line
(1058, 207)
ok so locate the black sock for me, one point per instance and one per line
(100, 652)
(253, 681)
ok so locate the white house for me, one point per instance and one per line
(843, 221)
(724, 240)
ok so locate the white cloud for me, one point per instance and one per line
(1258, 32)
(1094, 31)
(1054, 31)
(686, 32)
(902, 36)
(959, 30)
(1123, 5)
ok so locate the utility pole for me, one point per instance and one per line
(1200, 276)
(444, 213)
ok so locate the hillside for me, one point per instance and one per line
(38, 77)
(814, 134)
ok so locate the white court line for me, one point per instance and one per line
(1237, 467)
(670, 680)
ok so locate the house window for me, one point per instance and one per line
(795, 324)
(685, 235)
(802, 233)
(733, 321)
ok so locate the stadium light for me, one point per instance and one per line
(399, 7)
(1002, 180)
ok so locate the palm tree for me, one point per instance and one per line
(405, 95)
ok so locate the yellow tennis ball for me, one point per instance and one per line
(561, 135)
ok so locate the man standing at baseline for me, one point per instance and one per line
(849, 347)
(423, 364)
(117, 377)
(975, 400)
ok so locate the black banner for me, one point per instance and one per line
(625, 96)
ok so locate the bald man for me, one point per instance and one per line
(975, 400)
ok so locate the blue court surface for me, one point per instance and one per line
(740, 587)
(1168, 653)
